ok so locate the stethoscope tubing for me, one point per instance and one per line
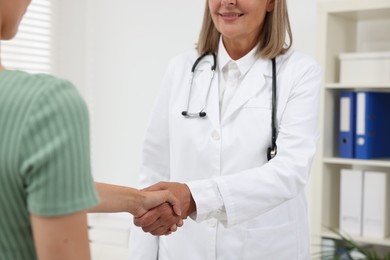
(272, 150)
(201, 113)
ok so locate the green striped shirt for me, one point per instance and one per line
(44, 157)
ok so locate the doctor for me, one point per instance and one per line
(209, 137)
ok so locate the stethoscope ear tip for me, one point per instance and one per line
(186, 114)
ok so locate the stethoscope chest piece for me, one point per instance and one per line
(271, 152)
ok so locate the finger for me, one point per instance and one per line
(162, 223)
(155, 226)
(160, 231)
(180, 223)
(173, 228)
(148, 218)
(165, 221)
(162, 213)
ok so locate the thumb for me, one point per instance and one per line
(154, 187)
(175, 203)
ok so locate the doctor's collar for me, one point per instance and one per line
(244, 64)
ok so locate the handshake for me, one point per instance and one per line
(161, 208)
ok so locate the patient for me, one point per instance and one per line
(46, 186)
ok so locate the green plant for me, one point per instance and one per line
(346, 247)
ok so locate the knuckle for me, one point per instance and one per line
(155, 233)
(142, 222)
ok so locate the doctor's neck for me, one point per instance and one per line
(238, 48)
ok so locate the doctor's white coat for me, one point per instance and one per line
(264, 202)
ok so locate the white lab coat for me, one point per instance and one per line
(265, 204)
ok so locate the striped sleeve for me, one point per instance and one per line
(55, 159)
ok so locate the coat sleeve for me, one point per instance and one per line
(154, 168)
(253, 192)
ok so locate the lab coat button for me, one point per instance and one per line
(212, 222)
(215, 135)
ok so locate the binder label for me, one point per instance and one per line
(345, 114)
(361, 113)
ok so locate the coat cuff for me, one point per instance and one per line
(208, 200)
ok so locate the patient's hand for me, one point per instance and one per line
(151, 199)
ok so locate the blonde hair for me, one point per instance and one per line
(271, 39)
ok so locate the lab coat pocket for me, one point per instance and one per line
(256, 114)
(259, 103)
(277, 243)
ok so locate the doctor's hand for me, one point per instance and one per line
(162, 220)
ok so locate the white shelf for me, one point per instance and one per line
(344, 26)
(358, 9)
(358, 85)
(372, 163)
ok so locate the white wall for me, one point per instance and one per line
(116, 53)
(303, 22)
(71, 41)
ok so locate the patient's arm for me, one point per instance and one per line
(61, 238)
(115, 198)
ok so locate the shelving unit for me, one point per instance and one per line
(343, 26)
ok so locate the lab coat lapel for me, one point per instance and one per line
(252, 83)
(213, 104)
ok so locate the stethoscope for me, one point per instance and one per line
(272, 150)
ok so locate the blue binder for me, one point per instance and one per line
(372, 138)
(347, 124)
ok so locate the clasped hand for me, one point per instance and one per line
(165, 218)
